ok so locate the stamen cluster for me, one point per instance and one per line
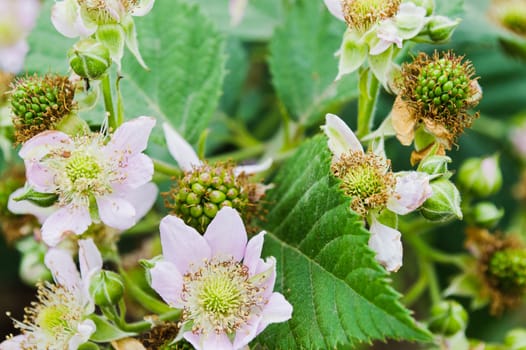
(363, 14)
(98, 11)
(38, 103)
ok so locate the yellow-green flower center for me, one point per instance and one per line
(82, 167)
(52, 319)
(362, 14)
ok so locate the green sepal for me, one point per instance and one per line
(107, 331)
(113, 37)
(41, 199)
(128, 25)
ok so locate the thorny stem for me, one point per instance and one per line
(369, 87)
(108, 102)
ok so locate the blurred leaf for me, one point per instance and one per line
(340, 294)
(450, 8)
(303, 65)
(107, 331)
(185, 56)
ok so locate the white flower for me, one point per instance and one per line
(17, 18)
(59, 320)
(219, 280)
(366, 178)
(86, 174)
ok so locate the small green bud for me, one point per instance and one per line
(41, 199)
(480, 176)
(486, 214)
(106, 288)
(508, 269)
(516, 339)
(448, 318)
(89, 58)
(444, 204)
(434, 165)
(441, 28)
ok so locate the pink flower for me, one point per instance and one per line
(17, 18)
(93, 180)
(59, 319)
(219, 280)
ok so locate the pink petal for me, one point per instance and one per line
(12, 57)
(63, 221)
(40, 178)
(90, 260)
(335, 8)
(385, 241)
(237, 10)
(14, 343)
(253, 169)
(253, 253)
(65, 16)
(167, 281)
(211, 341)
(181, 150)
(116, 212)
(411, 191)
(136, 170)
(182, 244)
(341, 138)
(278, 309)
(247, 332)
(26, 207)
(142, 199)
(131, 136)
(226, 234)
(143, 8)
(63, 268)
(40, 145)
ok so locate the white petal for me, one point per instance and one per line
(278, 309)
(410, 20)
(167, 281)
(26, 207)
(63, 268)
(211, 341)
(253, 169)
(40, 177)
(12, 57)
(40, 145)
(237, 10)
(335, 8)
(247, 332)
(90, 260)
(182, 244)
(84, 332)
(253, 253)
(181, 150)
(226, 234)
(64, 221)
(341, 138)
(131, 136)
(65, 16)
(385, 241)
(411, 191)
(142, 199)
(116, 212)
(143, 7)
(14, 343)
(135, 170)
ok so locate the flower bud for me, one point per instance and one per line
(89, 58)
(486, 214)
(444, 204)
(106, 288)
(516, 339)
(480, 176)
(39, 103)
(448, 318)
(41, 199)
(434, 165)
(441, 28)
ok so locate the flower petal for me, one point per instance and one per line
(142, 199)
(40, 178)
(226, 234)
(181, 150)
(136, 170)
(167, 281)
(26, 207)
(341, 137)
(40, 145)
(131, 137)
(84, 331)
(253, 253)
(63, 268)
(65, 16)
(385, 241)
(90, 260)
(253, 169)
(411, 191)
(14, 343)
(247, 332)
(278, 309)
(211, 341)
(116, 212)
(63, 221)
(182, 244)
(335, 8)
(142, 8)
(237, 10)
(12, 57)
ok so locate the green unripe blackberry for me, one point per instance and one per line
(39, 103)
(106, 288)
(448, 318)
(507, 270)
(200, 194)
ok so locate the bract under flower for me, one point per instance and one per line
(59, 320)
(219, 280)
(91, 177)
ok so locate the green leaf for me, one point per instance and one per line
(185, 56)
(450, 8)
(340, 294)
(303, 64)
(107, 331)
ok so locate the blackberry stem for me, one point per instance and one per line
(369, 87)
